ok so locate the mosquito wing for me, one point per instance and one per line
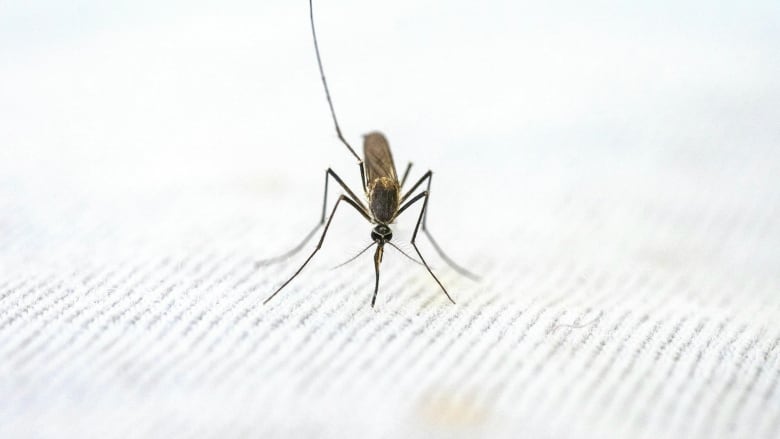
(377, 157)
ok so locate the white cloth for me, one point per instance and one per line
(613, 175)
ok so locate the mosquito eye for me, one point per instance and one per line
(381, 233)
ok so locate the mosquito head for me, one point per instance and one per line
(381, 234)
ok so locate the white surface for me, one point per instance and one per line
(592, 162)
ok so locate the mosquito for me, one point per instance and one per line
(384, 199)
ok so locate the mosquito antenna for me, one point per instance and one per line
(327, 91)
(354, 257)
(371, 245)
(404, 253)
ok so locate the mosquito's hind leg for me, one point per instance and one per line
(349, 201)
(414, 237)
(406, 173)
(429, 176)
(328, 173)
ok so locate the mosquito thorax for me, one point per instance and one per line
(383, 198)
(381, 233)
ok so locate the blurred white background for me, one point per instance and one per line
(135, 96)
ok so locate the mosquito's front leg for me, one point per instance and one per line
(429, 176)
(414, 236)
(328, 174)
(349, 201)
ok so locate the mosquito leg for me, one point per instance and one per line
(322, 238)
(414, 237)
(328, 173)
(330, 101)
(344, 186)
(425, 176)
(429, 176)
(439, 250)
(406, 173)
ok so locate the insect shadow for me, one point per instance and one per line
(384, 199)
